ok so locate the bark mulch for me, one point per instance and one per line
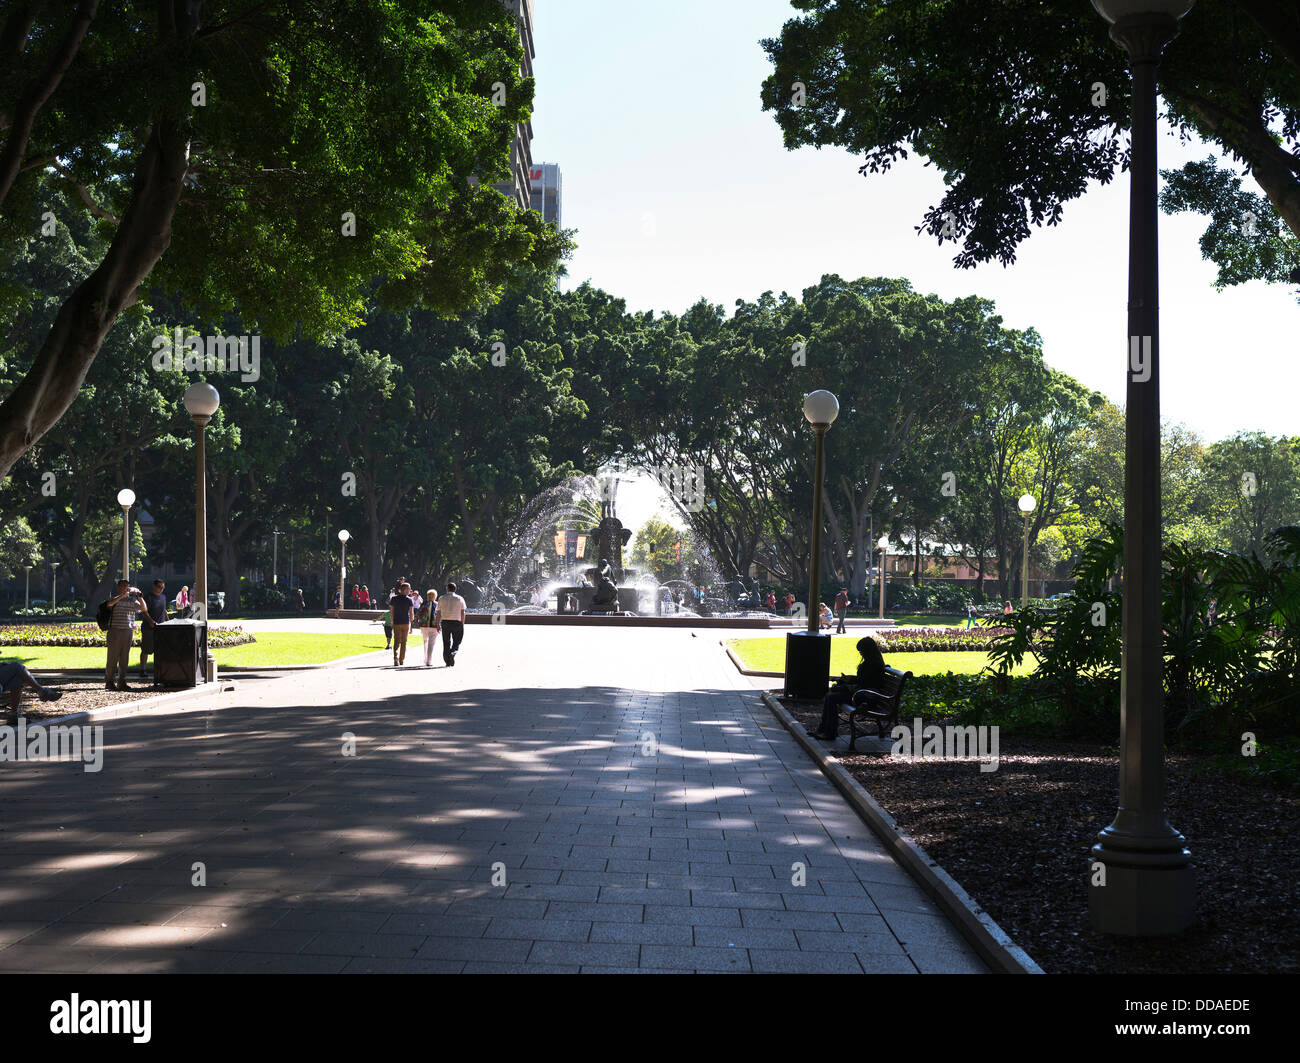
(1018, 841)
(80, 693)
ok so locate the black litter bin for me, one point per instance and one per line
(181, 653)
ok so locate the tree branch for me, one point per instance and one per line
(39, 91)
(86, 197)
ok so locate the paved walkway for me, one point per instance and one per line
(636, 808)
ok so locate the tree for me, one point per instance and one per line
(1254, 479)
(1020, 106)
(272, 157)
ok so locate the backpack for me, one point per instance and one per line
(104, 616)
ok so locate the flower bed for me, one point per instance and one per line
(929, 639)
(90, 635)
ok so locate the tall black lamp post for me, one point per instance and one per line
(1140, 877)
(808, 653)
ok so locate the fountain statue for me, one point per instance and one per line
(611, 537)
(605, 600)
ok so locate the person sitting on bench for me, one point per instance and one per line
(871, 673)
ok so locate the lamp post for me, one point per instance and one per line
(275, 556)
(201, 402)
(884, 572)
(1027, 503)
(54, 584)
(1141, 881)
(344, 536)
(126, 499)
(808, 653)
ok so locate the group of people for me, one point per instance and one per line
(431, 613)
(125, 606)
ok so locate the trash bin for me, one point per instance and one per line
(181, 653)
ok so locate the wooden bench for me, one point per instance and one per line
(880, 706)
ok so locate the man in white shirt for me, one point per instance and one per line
(451, 617)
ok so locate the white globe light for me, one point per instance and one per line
(1114, 10)
(1027, 504)
(126, 497)
(202, 400)
(884, 542)
(821, 407)
(344, 535)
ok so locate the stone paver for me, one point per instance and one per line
(562, 800)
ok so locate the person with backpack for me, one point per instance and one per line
(123, 608)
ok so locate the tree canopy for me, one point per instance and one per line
(271, 158)
(1021, 105)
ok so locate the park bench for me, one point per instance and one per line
(880, 706)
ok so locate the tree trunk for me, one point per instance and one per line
(56, 376)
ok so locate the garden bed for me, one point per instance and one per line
(1018, 840)
(90, 635)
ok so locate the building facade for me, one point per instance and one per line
(547, 182)
(521, 151)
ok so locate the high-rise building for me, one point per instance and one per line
(546, 191)
(521, 151)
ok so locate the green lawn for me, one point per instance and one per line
(768, 655)
(272, 648)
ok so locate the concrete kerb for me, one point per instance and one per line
(992, 943)
(740, 667)
(145, 705)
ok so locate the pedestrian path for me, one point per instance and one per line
(610, 801)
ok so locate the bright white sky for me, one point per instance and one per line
(680, 188)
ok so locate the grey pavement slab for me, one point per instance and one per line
(635, 807)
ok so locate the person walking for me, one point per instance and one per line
(298, 604)
(365, 597)
(771, 602)
(789, 604)
(13, 678)
(970, 614)
(126, 604)
(155, 604)
(400, 608)
(841, 609)
(451, 617)
(426, 619)
(183, 602)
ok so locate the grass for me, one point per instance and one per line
(272, 649)
(768, 655)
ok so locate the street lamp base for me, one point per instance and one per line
(1139, 901)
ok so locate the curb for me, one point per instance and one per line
(138, 708)
(742, 669)
(992, 943)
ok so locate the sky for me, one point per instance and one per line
(679, 188)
